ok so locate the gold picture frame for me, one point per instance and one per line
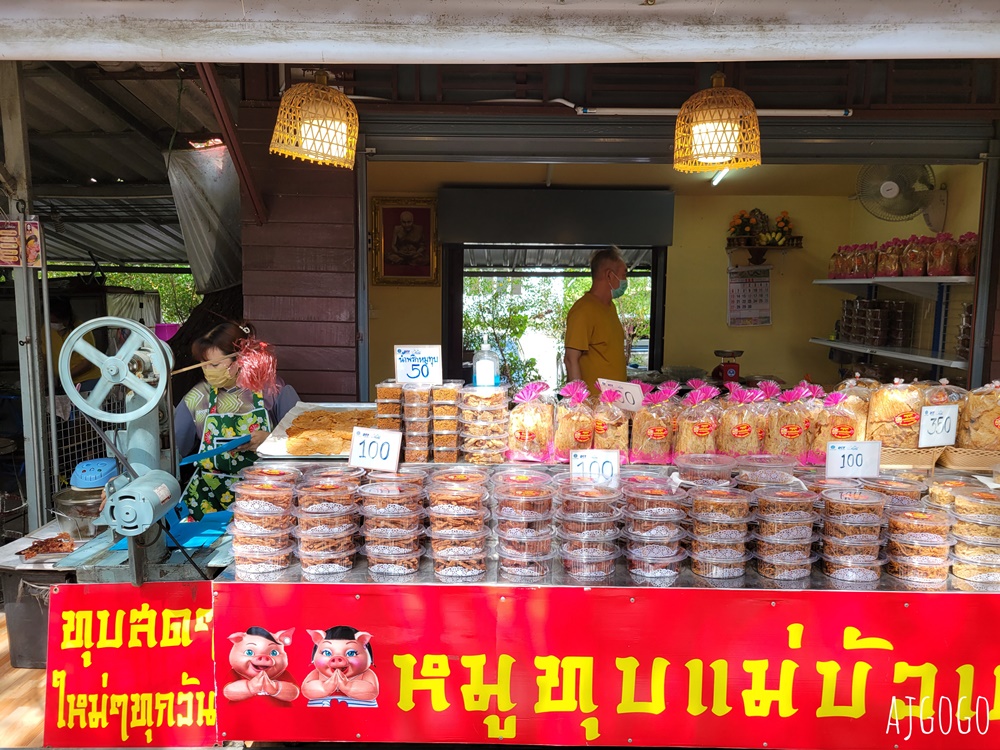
(404, 250)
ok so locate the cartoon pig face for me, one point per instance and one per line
(252, 654)
(349, 656)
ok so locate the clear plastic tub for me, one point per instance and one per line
(854, 572)
(456, 499)
(446, 439)
(978, 571)
(517, 544)
(573, 526)
(641, 475)
(417, 412)
(969, 549)
(867, 531)
(484, 457)
(782, 528)
(941, 493)
(899, 492)
(321, 522)
(523, 501)
(326, 563)
(710, 566)
(389, 390)
(919, 525)
(484, 396)
(447, 391)
(391, 524)
(854, 506)
(644, 562)
(589, 501)
(445, 410)
(975, 529)
(392, 497)
(271, 472)
(588, 559)
(568, 480)
(924, 571)
(446, 455)
(392, 564)
(416, 426)
(250, 518)
(819, 483)
(416, 393)
(528, 566)
(758, 479)
(655, 498)
(443, 520)
(269, 561)
(721, 528)
(458, 544)
(520, 478)
(455, 566)
(403, 476)
(327, 496)
(388, 408)
(785, 570)
(482, 442)
(327, 473)
(728, 549)
(765, 461)
(980, 504)
(705, 468)
(785, 550)
(265, 496)
(658, 522)
(919, 552)
(778, 502)
(523, 527)
(850, 551)
(460, 477)
(722, 503)
(260, 541)
(326, 541)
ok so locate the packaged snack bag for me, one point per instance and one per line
(574, 421)
(979, 419)
(611, 424)
(894, 415)
(653, 430)
(787, 430)
(742, 423)
(943, 393)
(531, 430)
(698, 423)
(942, 256)
(838, 421)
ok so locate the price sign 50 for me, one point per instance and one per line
(853, 458)
(631, 399)
(599, 465)
(419, 364)
(375, 449)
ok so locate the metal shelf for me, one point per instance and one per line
(922, 286)
(904, 354)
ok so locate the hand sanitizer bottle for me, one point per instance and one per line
(485, 366)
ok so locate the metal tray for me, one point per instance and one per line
(274, 446)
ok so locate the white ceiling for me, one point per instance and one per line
(497, 31)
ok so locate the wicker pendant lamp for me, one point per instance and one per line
(316, 123)
(717, 128)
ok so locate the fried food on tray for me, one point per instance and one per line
(325, 432)
(60, 543)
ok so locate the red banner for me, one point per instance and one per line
(130, 666)
(608, 666)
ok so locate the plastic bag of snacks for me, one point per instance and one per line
(837, 422)
(942, 256)
(894, 415)
(869, 384)
(943, 393)
(968, 254)
(653, 430)
(574, 421)
(815, 407)
(531, 430)
(888, 260)
(786, 433)
(914, 260)
(742, 423)
(979, 419)
(611, 424)
(698, 423)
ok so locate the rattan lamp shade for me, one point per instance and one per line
(316, 123)
(717, 128)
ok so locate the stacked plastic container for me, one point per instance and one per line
(784, 537)
(392, 504)
(327, 522)
(976, 528)
(444, 424)
(588, 521)
(852, 534)
(417, 423)
(388, 405)
(483, 419)
(720, 531)
(457, 511)
(263, 521)
(523, 504)
(655, 517)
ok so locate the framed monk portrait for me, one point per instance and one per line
(404, 242)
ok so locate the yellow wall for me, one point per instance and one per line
(816, 197)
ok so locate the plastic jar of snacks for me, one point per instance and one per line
(712, 566)
(757, 479)
(252, 517)
(339, 474)
(392, 563)
(920, 552)
(721, 528)
(459, 544)
(969, 549)
(513, 544)
(647, 563)
(380, 523)
(483, 396)
(851, 551)
(785, 550)
(313, 521)
(665, 545)
(705, 468)
(416, 393)
(784, 570)
(454, 567)
(260, 541)
(781, 527)
(765, 461)
(941, 493)
(455, 498)
(819, 483)
(588, 526)
(405, 475)
(520, 478)
(979, 504)
(721, 503)
(837, 528)
(856, 572)
(899, 492)
(919, 525)
(327, 496)
(641, 475)
(653, 523)
(389, 390)
(388, 408)
(417, 411)
(523, 501)
(393, 497)
(447, 391)
(588, 559)
(780, 502)
(523, 527)
(514, 567)
(316, 565)
(270, 561)
(590, 502)
(854, 506)
(444, 520)
(923, 571)
(265, 472)
(655, 497)
(721, 549)
(264, 495)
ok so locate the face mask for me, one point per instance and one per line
(619, 290)
(219, 378)
(56, 326)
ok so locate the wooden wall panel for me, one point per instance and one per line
(299, 280)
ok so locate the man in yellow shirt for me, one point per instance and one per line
(595, 340)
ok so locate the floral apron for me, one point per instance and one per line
(209, 488)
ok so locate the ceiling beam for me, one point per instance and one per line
(108, 102)
(119, 191)
(70, 135)
(225, 119)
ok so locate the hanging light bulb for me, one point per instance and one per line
(316, 123)
(717, 128)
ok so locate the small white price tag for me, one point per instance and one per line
(600, 465)
(938, 425)
(375, 449)
(631, 399)
(853, 458)
(419, 364)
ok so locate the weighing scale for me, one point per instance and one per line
(728, 371)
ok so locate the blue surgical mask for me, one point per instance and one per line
(619, 290)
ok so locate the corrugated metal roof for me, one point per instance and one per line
(527, 257)
(142, 230)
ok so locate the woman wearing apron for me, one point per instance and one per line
(216, 411)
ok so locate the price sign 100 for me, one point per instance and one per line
(375, 449)
(853, 458)
(599, 465)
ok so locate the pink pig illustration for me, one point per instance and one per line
(259, 659)
(342, 661)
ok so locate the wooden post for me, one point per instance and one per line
(18, 174)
